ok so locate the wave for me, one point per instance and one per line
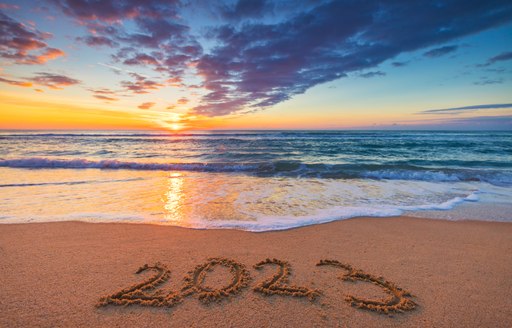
(45, 163)
(261, 223)
(282, 169)
(67, 183)
(171, 135)
(272, 223)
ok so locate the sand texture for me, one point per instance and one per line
(364, 272)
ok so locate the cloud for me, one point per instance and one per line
(4, 6)
(438, 52)
(325, 43)
(246, 9)
(487, 81)
(372, 74)
(49, 54)
(53, 81)
(16, 83)
(183, 101)
(114, 11)
(104, 94)
(118, 70)
(20, 45)
(146, 105)
(142, 59)
(399, 64)
(501, 57)
(266, 52)
(106, 98)
(98, 41)
(156, 36)
(141, 85)
(457, 110)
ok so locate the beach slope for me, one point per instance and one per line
(458, 273)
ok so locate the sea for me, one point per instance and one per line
(253, 180)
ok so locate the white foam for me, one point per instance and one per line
(288, 169)
(271, 223)
(411, 175)
(38, 162)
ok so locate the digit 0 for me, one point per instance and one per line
(194, 282)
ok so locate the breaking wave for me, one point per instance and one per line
(281, 169)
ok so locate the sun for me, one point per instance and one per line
(176, 126)
(173, 122)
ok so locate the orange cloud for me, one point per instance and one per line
(146, 105)
(49, 54)
(18, 42)
(16, 83)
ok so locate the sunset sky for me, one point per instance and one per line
(255, 64)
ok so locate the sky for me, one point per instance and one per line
(256, 64)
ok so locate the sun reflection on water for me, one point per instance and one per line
(175, 198)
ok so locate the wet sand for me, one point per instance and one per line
(54, 275)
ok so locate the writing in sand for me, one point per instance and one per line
(145, 293)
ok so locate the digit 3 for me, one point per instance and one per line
(397, 302)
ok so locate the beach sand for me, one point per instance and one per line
(459, 273)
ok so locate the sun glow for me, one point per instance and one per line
(176, 126)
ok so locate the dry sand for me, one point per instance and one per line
(53, 274)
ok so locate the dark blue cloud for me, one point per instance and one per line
(115, 11)
(438, 52)
(498, 58)
(98, 41)
(246, 9)
(399, 64)
(257, 65)
(487, 81)
(372, 74)
(457, 110)
(501, 57)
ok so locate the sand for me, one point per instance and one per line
(458, 274)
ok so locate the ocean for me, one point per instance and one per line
(253, 180)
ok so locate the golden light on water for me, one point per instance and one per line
(174, 198)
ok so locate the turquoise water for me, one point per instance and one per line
(264, 180)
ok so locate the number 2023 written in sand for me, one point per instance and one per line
(278, 284)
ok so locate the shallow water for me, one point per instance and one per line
(254, 181)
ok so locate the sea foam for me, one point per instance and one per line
(278, 168)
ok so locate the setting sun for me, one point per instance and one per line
(176, 126)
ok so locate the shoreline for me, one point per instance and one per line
(458, 271)
(214, 228)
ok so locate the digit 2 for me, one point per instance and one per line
(136, 294)
(277, 284)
